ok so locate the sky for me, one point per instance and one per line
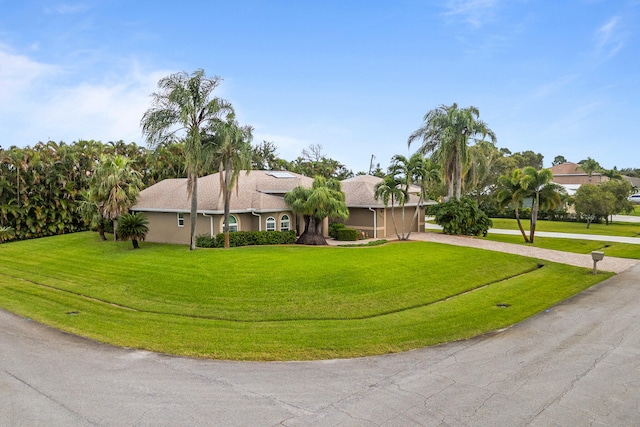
(354, 76)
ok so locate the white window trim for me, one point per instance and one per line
(273, 222)
(237, 224)
(180, 217)
(288, 222)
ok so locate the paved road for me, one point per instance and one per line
(576, 364)
(626, 218)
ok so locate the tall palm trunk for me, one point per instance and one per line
(458, 172)
(393, 218)
(415, 215)
(227, 208)
(524, 235)
(534, 217)
(194, 210)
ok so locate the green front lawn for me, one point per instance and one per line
(276, 303)
(613, 229)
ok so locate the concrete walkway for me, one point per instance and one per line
(616, 265)
(626, 218)
(575, 364)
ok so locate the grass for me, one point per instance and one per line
(578, 246)
(276, 303)
(613, 229)
(636, 211)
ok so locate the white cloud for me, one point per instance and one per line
(18, 74)
(107, 111)
(609, 38)
(36, 106)
(548, 89)
(474, 12)
(66, 8)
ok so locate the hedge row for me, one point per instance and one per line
(247, 238)
(347, 234)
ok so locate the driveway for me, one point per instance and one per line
(577, 363)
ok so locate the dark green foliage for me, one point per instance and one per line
(205, 241)
(462, 217)
(133, 226)
(334, 227)
(247, 238)
(41, 186)
(347, 234)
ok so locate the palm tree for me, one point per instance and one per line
(511, 193)
(184, 109)
(6, 233)
(134, 227)
(544, 193)
(401, 173)
(115, 186)
(590, 166)
(446, 133)
(389, 189)
(425, 174)
(612, 174)
(232, 151)
(324, 199)
(89, 211)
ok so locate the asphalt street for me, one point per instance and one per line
(577, 363)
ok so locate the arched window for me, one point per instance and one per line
(233, 223)
(271, 224)
(285, 223)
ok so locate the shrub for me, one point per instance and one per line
(347, 234)
(462, 217)
(205, 241)
(334, 227)
(133, 226)
(247, 238)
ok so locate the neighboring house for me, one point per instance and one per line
(571, 177)
(572, 173)
(370, 215)
(257, 205)
(634, 181)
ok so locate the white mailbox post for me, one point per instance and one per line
(596, 256)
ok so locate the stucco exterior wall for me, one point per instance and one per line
(409, 212)
(363, 219)
(163, 226)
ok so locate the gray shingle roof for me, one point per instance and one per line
(258, 190)
(359, 191)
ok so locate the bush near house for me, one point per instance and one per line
(462, 217)
(347, 234)
(247, 238)
(334, 227)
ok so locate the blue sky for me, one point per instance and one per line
(555, 77)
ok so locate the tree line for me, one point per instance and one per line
(54, 188)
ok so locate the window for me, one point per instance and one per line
(180, 219)
(271, 224)
(285, 223)
(233, 223)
